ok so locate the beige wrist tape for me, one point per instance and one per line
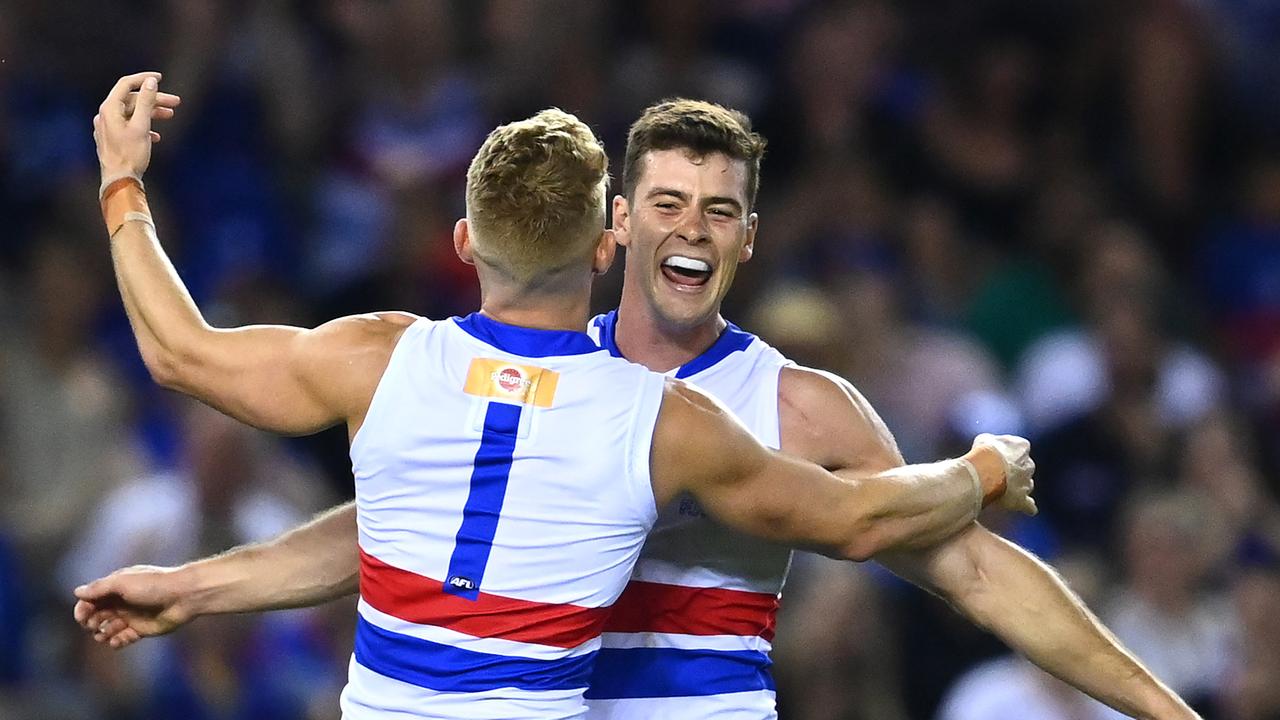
(124, 200)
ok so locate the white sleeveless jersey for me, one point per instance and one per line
(690, 636)
(502, 495)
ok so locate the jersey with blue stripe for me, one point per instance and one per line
(502, 497)
(691, 634)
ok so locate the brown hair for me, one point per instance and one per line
(535, 196)
(701, 128)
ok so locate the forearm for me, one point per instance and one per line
(1021, 600)
(916, 506)
(164, 317)
(312, 564)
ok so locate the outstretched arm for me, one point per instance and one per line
(283, 379)
(701, 448)
(309, 565)
(994, 583)
(1004, 589)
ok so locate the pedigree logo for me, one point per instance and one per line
(502, 380)
(511, 380)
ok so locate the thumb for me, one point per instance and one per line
(146, 104)
(97, 589)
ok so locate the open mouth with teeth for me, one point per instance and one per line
(686, 271)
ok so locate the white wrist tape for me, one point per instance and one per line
(108, 179)
(140, 217)
(978, 494)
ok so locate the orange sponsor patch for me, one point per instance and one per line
(510, 382)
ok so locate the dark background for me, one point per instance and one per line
(1056, 218)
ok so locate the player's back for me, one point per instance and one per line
(503, 495)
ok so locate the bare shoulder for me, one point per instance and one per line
(395, 318)
(816, 405)
(369, 325)
(804, 387)
(368, 332)
(826, 420)
(345, 358)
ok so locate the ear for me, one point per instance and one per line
(606, 249)
(462, 241)
(749, 247)
(621, 221)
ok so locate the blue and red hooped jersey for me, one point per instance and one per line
(691, 634)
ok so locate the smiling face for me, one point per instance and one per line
(686, 227)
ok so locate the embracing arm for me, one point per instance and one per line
(283, 379)
(701, 448)
(994, 583)
(309, 565)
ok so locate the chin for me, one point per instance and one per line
(675, 316)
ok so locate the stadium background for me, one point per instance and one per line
(1059, 218)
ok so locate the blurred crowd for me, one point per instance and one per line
(1047, 217)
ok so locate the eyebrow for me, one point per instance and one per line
(684, 197)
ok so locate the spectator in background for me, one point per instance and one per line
(1122, 284)
(1010, 688)
(675, 55)
(1110, 397)
(234, 487)
(1219, 465)
(803, 322)
(416, 117)
(839, 97)
(1165, 612)
(913, 373)
(1252, 692)
(549, 53)
(1166, 76)
(1240, 272)
(960, 159)
(836, 654)
(60, 411)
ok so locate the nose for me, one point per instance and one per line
(693, 227)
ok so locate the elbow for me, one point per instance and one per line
(858, 551)
(168, 366)
(162, 366)
(865, 543)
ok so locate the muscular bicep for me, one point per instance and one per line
(702, 449)
(824, 419)
(289, 380)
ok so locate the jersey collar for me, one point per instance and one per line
(526, 342)
(730, 341)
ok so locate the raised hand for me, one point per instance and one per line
(133, 603)
(122, 128)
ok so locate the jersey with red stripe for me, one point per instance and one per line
(502, 497)
(690, 636)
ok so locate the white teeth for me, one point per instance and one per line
(686, 263)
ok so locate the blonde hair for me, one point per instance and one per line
(535, 196)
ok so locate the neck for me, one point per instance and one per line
(659, 346)
(540, 311)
